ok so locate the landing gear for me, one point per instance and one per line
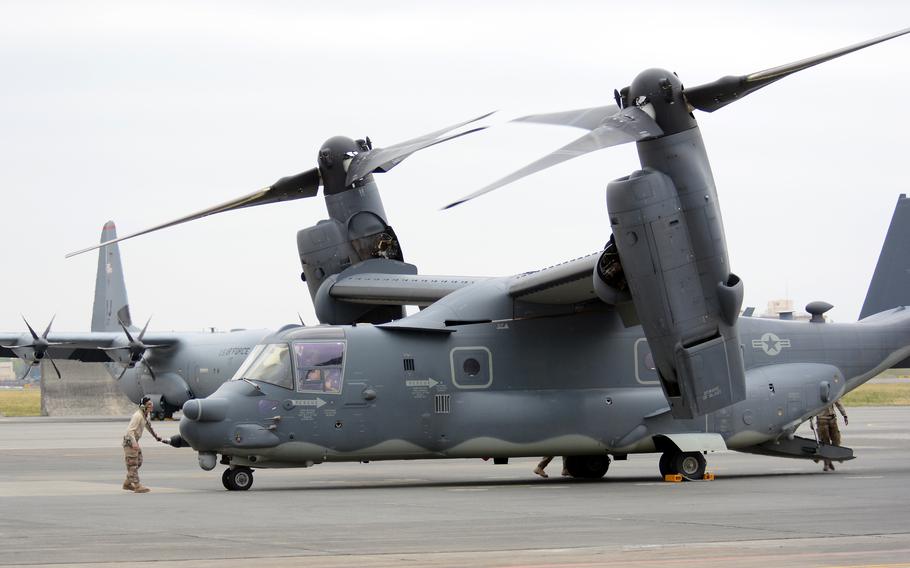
(237, 478)
(690, 465)
(587, 467)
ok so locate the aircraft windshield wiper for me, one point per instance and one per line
(251, 383)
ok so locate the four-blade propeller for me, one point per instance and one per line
(39, 347)
(135, 349)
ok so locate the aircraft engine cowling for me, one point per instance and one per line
(685, 298)
(356, 232)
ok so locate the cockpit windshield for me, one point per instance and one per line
(270, 363)
(320, 366)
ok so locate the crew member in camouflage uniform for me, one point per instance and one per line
(828, 432)
(131, 450)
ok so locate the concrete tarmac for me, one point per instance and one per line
(62, 505)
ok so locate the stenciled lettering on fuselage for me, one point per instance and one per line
(771, 344)
(235, 352)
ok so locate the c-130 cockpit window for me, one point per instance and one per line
(320, 366)
(270, 363)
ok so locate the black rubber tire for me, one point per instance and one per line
(588, 467)
(691, 465)
(238, 478)
(666, 464)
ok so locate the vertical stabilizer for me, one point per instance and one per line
(111, 304)
(890, 286)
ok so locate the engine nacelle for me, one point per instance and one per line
(686, 299)
(356, 231)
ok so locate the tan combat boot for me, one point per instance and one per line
(141, 489)
(127, 485)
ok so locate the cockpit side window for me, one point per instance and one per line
(320, 366)
(270, 364)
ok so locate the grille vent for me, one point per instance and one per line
(443, 403)
(408, 364)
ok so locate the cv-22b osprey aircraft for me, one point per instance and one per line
(169, 367)
(638, 348)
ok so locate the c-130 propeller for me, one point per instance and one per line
(668, 246)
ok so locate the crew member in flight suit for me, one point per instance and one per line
(828, 432)
(131, 450)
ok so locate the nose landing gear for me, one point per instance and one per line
(238, 478)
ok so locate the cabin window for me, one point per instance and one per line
(645, 368)
(320, 366)
(472, 367)
(270, 364)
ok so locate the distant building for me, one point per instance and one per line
(7, 370)
(782, 308)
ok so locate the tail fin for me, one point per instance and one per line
(890, 286)
(111, 304)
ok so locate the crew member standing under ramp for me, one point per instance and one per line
(828, 432)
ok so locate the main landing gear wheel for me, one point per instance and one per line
(690, 465)
(237, 478)
(588, 467)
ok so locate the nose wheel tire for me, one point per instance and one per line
(237, 479)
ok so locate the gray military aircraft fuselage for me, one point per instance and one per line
(639, 348)
(169, 367)
(580, 385)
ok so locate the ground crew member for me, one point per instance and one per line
(828, 432)
(544, 462)
(131, 450)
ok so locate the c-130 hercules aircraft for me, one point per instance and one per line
(561, 361)
(168, 367)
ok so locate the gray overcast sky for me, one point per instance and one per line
(143, 112)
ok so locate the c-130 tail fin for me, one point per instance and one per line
(890, 285)
(111, 305)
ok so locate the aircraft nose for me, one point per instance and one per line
(205, 410)
(203, 424)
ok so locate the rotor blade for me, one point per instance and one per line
(125, 330)
(59, 376)
(142, 333)
(302, 185)
(587, 118)
(48, 330)
(384, 159)
(628, 125)
(125, 369)
(717, 94)
(149, 368)
(32, 331)
(28, 369)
